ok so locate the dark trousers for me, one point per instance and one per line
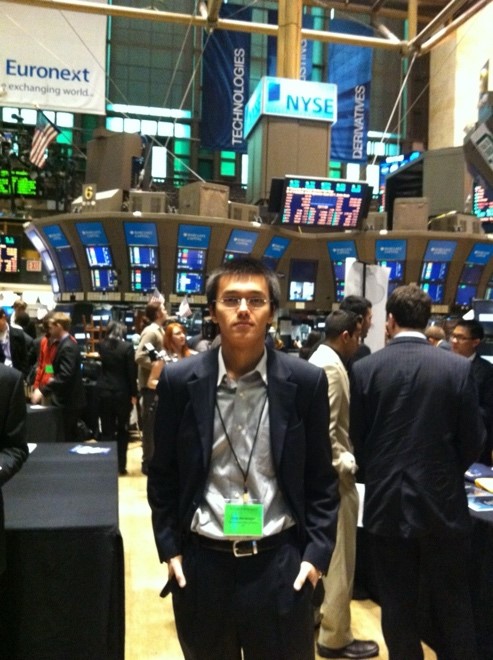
(247, 604)
(114, 413)
(428, 571)
(148, 418)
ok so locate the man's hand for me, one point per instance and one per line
(309, 571)
(175, 569)
(36, 396)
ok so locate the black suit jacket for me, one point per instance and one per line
(416, 427)
(298, 416)
(18, 350)
(119, 371)
(13, 448)
(482, 371)
(66, 388)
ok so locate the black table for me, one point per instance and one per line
(44, 424)
(65, 572)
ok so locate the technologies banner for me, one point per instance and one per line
(225, 85)
(51, 59)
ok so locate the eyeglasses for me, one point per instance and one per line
(233, 302)
(454, 337)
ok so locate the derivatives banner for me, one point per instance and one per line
(225, 81)
(52, 59)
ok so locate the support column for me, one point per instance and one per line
(289, 38)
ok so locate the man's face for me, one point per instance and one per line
(351, 342)
(462, 342)
(242, 325)
(162, 315)
(56, 331)
(366, 324)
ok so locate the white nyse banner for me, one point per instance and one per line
(52, 59)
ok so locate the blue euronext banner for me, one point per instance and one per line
(225, 85)
(350, 69)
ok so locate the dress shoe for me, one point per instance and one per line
(357, 649)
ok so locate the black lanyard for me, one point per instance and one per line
(244, 473)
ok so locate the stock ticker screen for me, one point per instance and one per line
(9, 254)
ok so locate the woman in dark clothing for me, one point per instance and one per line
(117, 389)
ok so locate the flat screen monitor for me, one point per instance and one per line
(140, 233)
(145, 257)
(465, 294)
(189, 282)
(103, 279)
(339, 270)
(434, 271)
(72, 280)
(471, 274)
(277, 247)
(241, 241)
(143, 280)
(66, 258)
(435, 291)
(17, 182)
(482, 202)
(190, 259)
(56, 236)
(99, 256)
(396, 270)
(328, 203)
(91, 233)
(9, 254)
(339, 290)
(302, 277)
(194, 236)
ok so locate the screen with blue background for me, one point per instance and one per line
(91, 233)
(194, 236)
(392, 250)
(440, 250)
(340, 250)
(146, 257)
(56, 236)
(241, 242)
(190, 283)
(277, 247)
(140, 233)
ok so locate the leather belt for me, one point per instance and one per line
(240, 548)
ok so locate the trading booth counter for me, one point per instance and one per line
(44, 424)
(65, 575)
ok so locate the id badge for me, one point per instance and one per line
(243, 519)
(49, 369)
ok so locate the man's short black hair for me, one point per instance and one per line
(340, 321)
(410, 306)
(474, 327)
(243, 266)
(357, 304)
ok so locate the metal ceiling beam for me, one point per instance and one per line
(442, 34)
(437, 22)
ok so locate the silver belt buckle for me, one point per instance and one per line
(248, 552)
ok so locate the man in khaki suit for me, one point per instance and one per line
(342, 334)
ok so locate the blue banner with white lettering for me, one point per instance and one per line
(225, 89)
(306, 64)
(350, 69)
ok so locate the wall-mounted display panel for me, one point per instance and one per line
(339, 251)
(277, 247)
(471, 274)
(189, 283)
(103, 279)
(91, 233)
(72, 280)
(17, 182)
(143, 257)
(241, 242)
(66, 258)
(482, 202)
(465, 294)
(99, 256)
(9, 254)
(440, 250)
(191, 259)
(435, 291)
(143, 280)
(194, 236)
(481, 253)
(140, 233)
(302, 278)
(56, 236)
(434, 271)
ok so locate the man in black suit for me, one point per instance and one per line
(13, 453)
(66, 389)
(12, 345)
(416, 427)
(465, 339)
(242, 491)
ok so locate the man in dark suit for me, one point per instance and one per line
(12, 345)
(242, 490)
(465, 339)
(65, 389)
(13, 453)
(416, 427)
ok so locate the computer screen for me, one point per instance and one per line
(17, 182)
(339, 270)
(66, 257)
(194, 236)
(191, 259)
(56, 236)
(143, 280)
(140, 233)
(396, 270)
(146, 257)
(326, 203)
(277, 247)
(9, 254)
(189, 282)
(72, 280)
(465, 293)
(103, 279)
(482, 202)
(91, 233)
(99, 255)
(435, 291)
(302, 277)
(434, 271)
(241, 242)
(471, 274)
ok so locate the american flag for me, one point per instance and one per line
(156, 296)
(184, 309)
(44, 134)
